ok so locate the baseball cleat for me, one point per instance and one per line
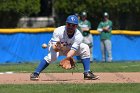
(90, 76)
(34, 76)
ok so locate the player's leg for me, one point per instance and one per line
(51, 57)
(108, 48)
(91, 48)
(84, 52)
(91, 54)
(42, 65)
(103, 50)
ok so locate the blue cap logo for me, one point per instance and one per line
(72, 19)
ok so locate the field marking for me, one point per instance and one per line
(9, 72)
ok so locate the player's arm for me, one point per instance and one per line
(73, 50)
(100, 28)
(57, 46)
(89, 25)
(75, 46)
(55, 41)
(87, 28)
(109, 27)
(71, 53)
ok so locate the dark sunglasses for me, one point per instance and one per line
(71, 25)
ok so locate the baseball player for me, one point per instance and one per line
(72, 38)
(105, 28)
(85, 26)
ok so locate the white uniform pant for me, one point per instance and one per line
(89, 40)
(83, 51)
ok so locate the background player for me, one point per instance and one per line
(72, 38)
(105, 28)
(85, 26)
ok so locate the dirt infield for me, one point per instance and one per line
(24, 78)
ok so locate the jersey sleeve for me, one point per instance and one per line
(55, 38)
(89, 24)
(110, 25)
(99, 28)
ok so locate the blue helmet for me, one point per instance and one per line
(72, 19)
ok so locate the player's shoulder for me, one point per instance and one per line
(87, 21)
(101, 23)
(80, 21)
(110, 21)
(78, 36)
(59, 29)
(78, 33)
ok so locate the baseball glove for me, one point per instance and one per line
(67, 63)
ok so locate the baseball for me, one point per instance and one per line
(44, 45)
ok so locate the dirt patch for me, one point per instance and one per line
(24, 78)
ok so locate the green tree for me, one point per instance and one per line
(12, 10)
(123, 13)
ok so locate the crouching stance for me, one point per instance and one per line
(67, 41)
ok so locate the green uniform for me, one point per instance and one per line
(86, 34)
(85, 23)
(105, 37)
(88, 39)
(105, 34)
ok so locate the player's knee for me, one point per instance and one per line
(84, 50)
(84, 46)
(50, 59)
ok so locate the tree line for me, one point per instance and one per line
(123, 13)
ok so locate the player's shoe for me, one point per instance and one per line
(90, 76)
(34, 76)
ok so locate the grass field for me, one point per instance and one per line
(73, 88)
(96, 67)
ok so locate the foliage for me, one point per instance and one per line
(122, 12)
(70, 6)
(23, 7)
(12, 10)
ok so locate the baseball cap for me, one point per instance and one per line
(106, 14)
(84, 14)
(72, 19)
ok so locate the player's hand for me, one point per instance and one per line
(59, 46)
(105, 28)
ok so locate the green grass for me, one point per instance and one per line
(71, 88)
(117, 67)
(96, 67)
